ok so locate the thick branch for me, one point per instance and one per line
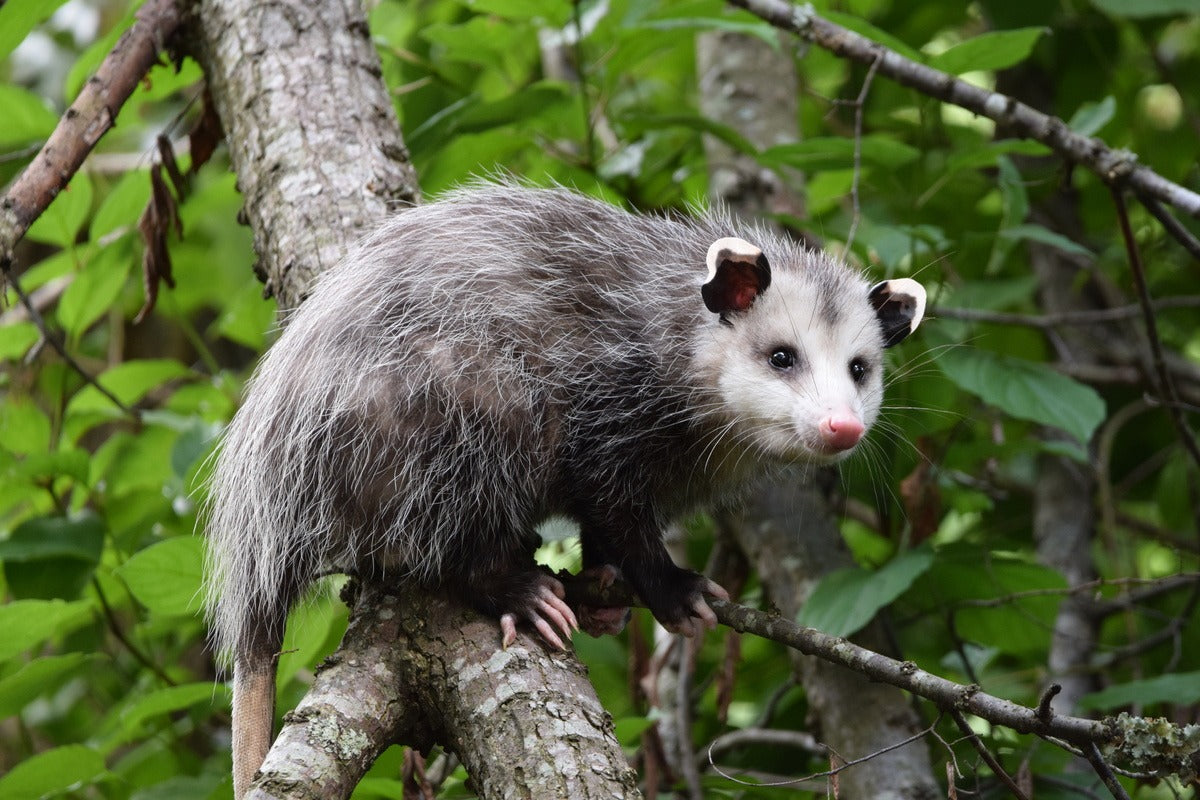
(1113, 166)
(416, 668)
(311, 130)
(89, 117)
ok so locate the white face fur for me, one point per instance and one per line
(786, 368)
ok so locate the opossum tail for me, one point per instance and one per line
(254, 702)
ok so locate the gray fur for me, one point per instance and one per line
(477, 360)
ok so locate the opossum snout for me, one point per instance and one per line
(841, 430)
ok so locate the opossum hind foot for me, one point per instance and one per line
(541, 603)
(600, 621)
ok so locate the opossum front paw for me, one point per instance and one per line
(541, 604)
(600, 621)
(676, 598)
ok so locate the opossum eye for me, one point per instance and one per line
(782, 358)
(858, 369)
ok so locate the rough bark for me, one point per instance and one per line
(319, 157)
(414, 667)
(311, 130)
(754, 88)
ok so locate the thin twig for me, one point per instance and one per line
(1109, 163)
(133, 649)
(59, 347)
(858, 134)
(1170, 224)
(1166, 387)
(1092, 754)
(989, 759)
(1115, 314)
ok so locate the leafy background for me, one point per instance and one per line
(106, 688)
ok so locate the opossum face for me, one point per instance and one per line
(798, 356)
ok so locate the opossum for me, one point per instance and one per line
(507, 354)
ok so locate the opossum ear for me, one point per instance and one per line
(899, 304)
(738, 272)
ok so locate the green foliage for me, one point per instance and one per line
(103, 664)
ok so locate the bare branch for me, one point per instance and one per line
(89, 117)
(1111, 165)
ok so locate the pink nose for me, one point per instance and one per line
(841, 430)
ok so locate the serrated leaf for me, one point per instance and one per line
(847, 599)
(835, 152)
(988, 51)
(38, 677)
(27, 119)
(1026, 390)
(1181, 688)
(52, 772)
(18, 18)
(1147, 8)
(1091, 117)
(29, 622)
(166, 577)
(94, 289)
(129, 382)
(1036, 233)
(61, 221)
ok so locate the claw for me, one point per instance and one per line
(508, 630)
(552, 606)
(546, 631)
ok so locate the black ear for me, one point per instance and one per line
(899, 304)
(738, 272)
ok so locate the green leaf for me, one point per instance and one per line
(1147, 8)
(26, 427)
(42, 675)
(15, 341)
(18, 18)
(52, 772)
(52, 557)
(1036, 233)
(835, 152)
(95, 288)
(551, 13)
(29, 622)
(1178, 689)
(80, 538)
(166, 577)
(123, 205)
(847, 599)
(129, 382)
(129, 721)
(725, 133)
(988, 51)
(629, 730)
(59, 223)
(750, 27)
(27, 119)
(1025, 390)
(1089, 118)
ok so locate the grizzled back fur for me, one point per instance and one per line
(434, 393)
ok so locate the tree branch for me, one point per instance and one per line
(1111, 165)
(89, 117)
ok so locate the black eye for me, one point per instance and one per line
(782, 358)
(858, 370)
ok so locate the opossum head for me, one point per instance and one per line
(797, 355)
